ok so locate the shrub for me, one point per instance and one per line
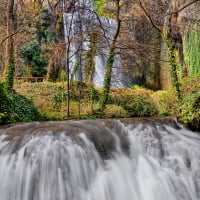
(59, 97)
(23, 109)
(166, 102)
(139, 107)
(4, 105)
(190, 110)
(114, 111)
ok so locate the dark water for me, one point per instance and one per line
(99, 160)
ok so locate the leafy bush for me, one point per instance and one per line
(137, 102)
(166, 102)
(4, 105)
(23, 109)
(138, 106)
(32, 55)
(190, 110)
(114, 111)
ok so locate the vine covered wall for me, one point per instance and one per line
(192, 51)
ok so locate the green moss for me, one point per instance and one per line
(106, 84)
(174, 70)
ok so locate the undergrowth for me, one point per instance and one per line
(48, 101)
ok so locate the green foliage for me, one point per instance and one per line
(23, 109)
(62, 75)
(191, 50)
(106, 84)
(31, 53)
(139, 107)
(166, 102)
(39, 64)
(90, 64)
(59, 22)
(115, 111)
(174, 70)
(100, 7)
(15, 107)
(42, 27)
(10, 69)
(80, 90)
(47, 115)
(59, 97)
(4, 105)
(10, 77)
(190, 109)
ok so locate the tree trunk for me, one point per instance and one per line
(9, 58)
(173, 66)
(109, 64)
(107, 82)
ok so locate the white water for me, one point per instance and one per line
(77, 24)
(163, 163)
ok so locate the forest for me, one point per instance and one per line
(89, 59)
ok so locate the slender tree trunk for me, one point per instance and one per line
(171, 39)
(173, 65)
(9, 58)
(107, 82)
(109, 64)
(68, 41)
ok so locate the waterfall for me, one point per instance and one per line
(99, 160)
(78, 22)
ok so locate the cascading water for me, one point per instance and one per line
(78, 22)
(99, 160)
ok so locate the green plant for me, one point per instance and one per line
(4, 105)
(190, 110)
(191, 50)
(166, 102)
(23, 109)
(59, 97)
(32, 55)
(138, 107)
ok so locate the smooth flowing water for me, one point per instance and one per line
(99, 160)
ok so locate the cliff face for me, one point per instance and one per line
(182, 28)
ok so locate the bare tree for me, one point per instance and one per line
(169, 30)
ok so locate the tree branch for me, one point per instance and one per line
(185, 6)
(148, 16)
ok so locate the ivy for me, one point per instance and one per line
(191, 50)
(90, 64)
(174, 70)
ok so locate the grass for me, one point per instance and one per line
(50, 99)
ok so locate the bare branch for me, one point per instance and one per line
(185, 6)
(148, 16)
